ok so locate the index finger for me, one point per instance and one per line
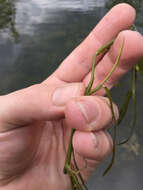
(78, 64)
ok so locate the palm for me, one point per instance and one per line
(40, 150)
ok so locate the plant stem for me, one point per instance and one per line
(100, 50)
(124, 107)
(69, 152)
(74, 177)
(133, 94)
(79, 174)
(115, 131)
(110, 73)
(88, 91)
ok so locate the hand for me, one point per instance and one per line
(35, 122)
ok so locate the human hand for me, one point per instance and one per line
(35, 122)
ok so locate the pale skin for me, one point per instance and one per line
(35, 122)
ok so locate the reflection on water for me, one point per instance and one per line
(48, 32)
(37, 12)
(82, 5)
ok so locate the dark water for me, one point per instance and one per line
(35, 36)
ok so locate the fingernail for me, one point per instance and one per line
(94, 139)
(90, 113)
(63, 94)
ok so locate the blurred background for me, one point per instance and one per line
(36, 35)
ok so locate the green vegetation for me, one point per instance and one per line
(7, 17)
(135, 3)
(75, 176)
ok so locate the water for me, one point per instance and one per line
(48, 31)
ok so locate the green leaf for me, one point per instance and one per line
(133, 122)
(124, 107)
(98, 52)
(110, 73)
(115, 132)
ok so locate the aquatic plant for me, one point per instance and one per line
(75, 173)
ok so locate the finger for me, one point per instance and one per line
(132, 52)
(89, 113)
(36, 103)
(92, 146)
(78, 63)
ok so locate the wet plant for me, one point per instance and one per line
(74, 173)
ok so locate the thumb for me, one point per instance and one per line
(36, 103)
